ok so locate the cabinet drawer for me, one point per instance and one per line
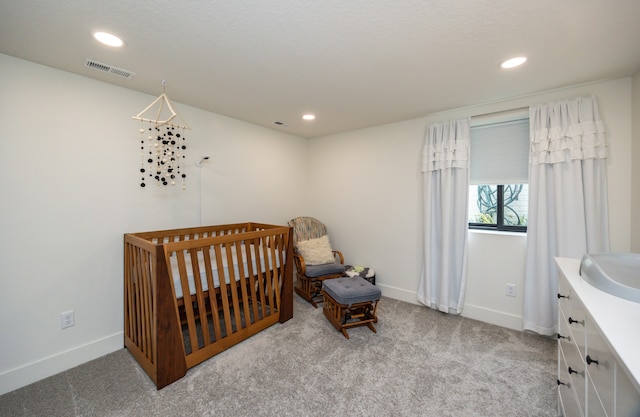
(627, 397)
(564, 289)
(568, 400)
(600, 365)
(576, 322)
(594, 406)
(564, 334)
(575, 370)
(574, 312)
(567, 403)
(565, 293)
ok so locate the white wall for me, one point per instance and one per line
(69, 161)
(366, 184)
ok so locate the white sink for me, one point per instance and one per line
(615, 273)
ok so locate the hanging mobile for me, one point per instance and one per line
(166, 149)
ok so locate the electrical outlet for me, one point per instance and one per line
(511, 290)
(67, 319)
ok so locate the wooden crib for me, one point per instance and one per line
(238, 280)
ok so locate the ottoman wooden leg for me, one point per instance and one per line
(344, 317)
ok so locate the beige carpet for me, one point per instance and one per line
(420, 363)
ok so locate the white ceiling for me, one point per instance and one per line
(354, 63)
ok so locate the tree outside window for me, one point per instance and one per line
(499, 207)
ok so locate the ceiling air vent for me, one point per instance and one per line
(99, 66)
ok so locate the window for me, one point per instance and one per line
(499, 170)
(498, 206)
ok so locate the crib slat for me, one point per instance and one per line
(223, 291)
(143, 306)
(270, 273)
(129, 293)
(260, 278)
(240, 249)
(252, 280)
(266, 280)
(137, 306)
(286, 289)
(279, 250)
(233, 284)
(213, 299)
(149, 307)
(202, 309)
(188, 305)
(142, 309)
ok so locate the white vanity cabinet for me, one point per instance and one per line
(571, 372)
(598, 349)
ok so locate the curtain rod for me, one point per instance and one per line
(500, 112)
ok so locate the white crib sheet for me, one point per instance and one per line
(175, 271)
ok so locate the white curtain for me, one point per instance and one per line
(568, 214)
(445, 168)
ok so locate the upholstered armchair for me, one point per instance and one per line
(314, 258)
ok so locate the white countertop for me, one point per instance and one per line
(618, 319)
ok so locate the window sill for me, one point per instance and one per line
(497, 232)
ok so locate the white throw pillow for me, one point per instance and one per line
(316, 251)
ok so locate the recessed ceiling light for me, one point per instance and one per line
(108, 39)
(308, 117)
(513, 62)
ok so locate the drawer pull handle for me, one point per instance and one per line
(571, 321)
(562, 383)
(590, 360)
(562, 296)
(563, 337)
(572, 371)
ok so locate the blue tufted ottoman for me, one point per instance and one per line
(350, 302)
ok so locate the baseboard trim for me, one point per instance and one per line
(487, 315)
(398, 293)
(43, 368)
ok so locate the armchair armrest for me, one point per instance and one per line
(300, 265)
(339, 255)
